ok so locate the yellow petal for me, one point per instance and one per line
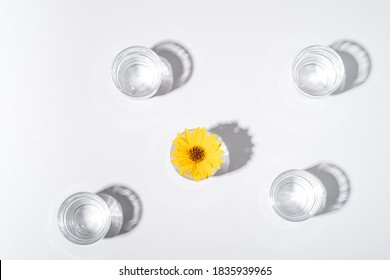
(214, 159)
(216, 153)
(202, 171)
(181, 162)
(180, 142)
(181, 149)
(185, 169)
(194, 172)
(211, 138)
(179, 154)
(210, 170)
(190, 137)
(198, 139)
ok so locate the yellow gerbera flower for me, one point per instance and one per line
(197, 154)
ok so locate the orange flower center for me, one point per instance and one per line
(197, 154)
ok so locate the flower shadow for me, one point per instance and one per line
(238, 143)
(130, 205)
(357, 64)
(179, 59)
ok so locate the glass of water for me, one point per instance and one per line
(297, 195)
(138, 72)
(85, 218)
(318, 71)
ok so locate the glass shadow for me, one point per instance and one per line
(129, 204)
(180, 61)
(357, 64)
(336, 183)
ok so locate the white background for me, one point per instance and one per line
(65, 128)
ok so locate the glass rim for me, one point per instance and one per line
(137, 50)
(65, 207)
(317, 200)
(338, 62)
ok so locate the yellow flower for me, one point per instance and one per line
(197, 154)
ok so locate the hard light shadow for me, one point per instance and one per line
(130, 205)
(357, 64)
(336, 183)
(238, 143)
(179, 59)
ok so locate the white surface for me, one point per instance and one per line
(65, 127)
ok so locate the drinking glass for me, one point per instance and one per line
(85, 218)
(297, 195)
(138, 72)
(318, 71)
